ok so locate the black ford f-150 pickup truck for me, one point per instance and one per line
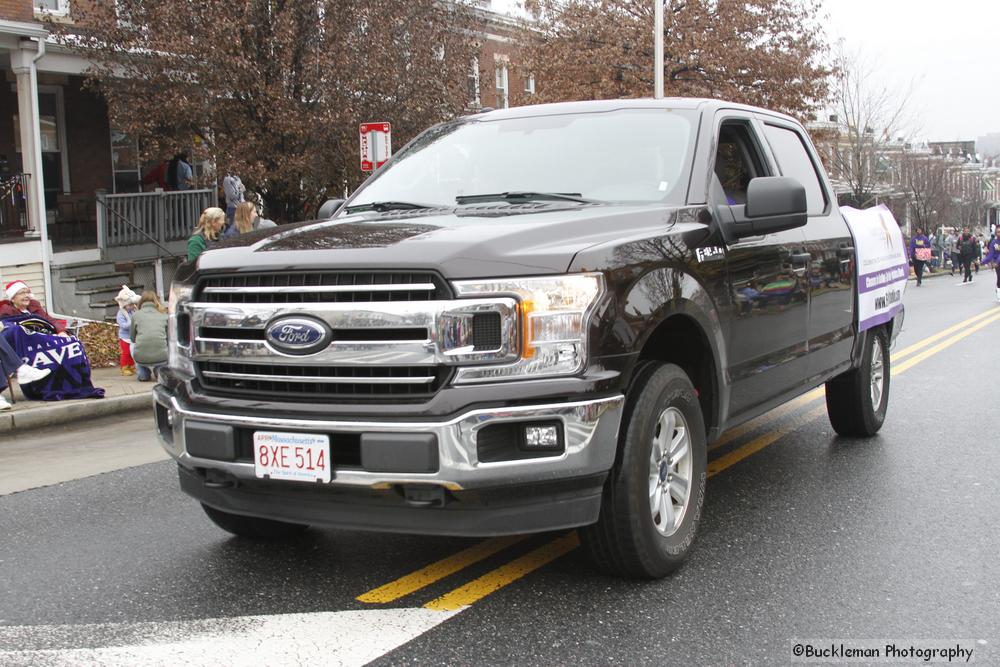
(529, 319)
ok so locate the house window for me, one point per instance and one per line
(125, 162)
(502, 90)
(60, 7)
(529, 85)
(474, 83)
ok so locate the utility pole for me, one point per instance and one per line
(658, 48)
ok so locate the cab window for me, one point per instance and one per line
(737, 161)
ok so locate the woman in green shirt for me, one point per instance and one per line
(149, 336)
(211, 222)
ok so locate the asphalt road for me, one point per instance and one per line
(805, 536)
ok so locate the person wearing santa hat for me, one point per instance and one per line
(20, 302)
(11, 364)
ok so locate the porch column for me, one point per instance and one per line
(22, 62)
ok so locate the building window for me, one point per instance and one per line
(60, 7)
(502, 90)
(474, 83)
(529, 85)
(125, 162)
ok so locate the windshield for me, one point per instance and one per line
(626, 155)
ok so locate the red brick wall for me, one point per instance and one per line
(17, 10)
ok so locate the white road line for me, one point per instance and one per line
(323, 638)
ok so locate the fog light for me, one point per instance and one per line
(541, 437)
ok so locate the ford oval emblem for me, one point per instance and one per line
(297, 335)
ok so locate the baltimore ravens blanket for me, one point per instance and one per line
(34, 340)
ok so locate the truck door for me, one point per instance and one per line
(768, 309)
(828, 242)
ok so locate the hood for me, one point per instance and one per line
(462, 242)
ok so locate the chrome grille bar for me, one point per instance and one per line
(321, 380)
(313, 289)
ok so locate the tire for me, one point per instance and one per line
(251, 527)
(631, 538)
(857, 400)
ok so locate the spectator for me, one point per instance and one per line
(126, 300)
(157, 176)
(233, 189)
(10, 364)
(149, 334)
(920, 254)
(211, 222)
(247, 220)
(19, 301)
(179, 173)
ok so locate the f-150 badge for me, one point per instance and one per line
(709, 253)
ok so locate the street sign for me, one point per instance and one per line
(376, 145)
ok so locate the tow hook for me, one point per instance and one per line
(215, 479)
(424, 496)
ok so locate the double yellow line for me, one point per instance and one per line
(475, 590)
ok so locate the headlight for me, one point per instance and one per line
(553, 314)
(179, 330)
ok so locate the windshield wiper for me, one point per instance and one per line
(382, 206)
(523, 196)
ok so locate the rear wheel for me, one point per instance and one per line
(653, 498)
(253, 527)
(857, 401)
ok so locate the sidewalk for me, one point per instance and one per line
(123, 395)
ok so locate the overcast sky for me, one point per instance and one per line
(950, 49)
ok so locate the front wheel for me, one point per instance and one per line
(857, 400)
(253, 527)
(652, 501)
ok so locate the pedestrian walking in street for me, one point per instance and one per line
(210, 225)
(149, 335)
(11, 364)
(979, 251)
(126, 300)
(967, 253)
(993, 257)
(951, 250)
(920, 254)
(246, 220)
(233, 189)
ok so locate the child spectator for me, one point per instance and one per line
(126, 300)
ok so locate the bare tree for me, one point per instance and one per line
(871, 116)
(763, 52)
(275, 90)
(925, 180)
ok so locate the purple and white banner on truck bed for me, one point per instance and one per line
(880, 263)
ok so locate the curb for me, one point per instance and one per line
(75, 411)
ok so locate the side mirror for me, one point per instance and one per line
(328, 208)
(774, 204)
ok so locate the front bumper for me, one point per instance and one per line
(474, 497)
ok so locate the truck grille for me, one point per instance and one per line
(380, 335)
(322, 287)
(320, 383)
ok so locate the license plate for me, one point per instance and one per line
(299, 457)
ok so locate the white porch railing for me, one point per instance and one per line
(148, 224)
